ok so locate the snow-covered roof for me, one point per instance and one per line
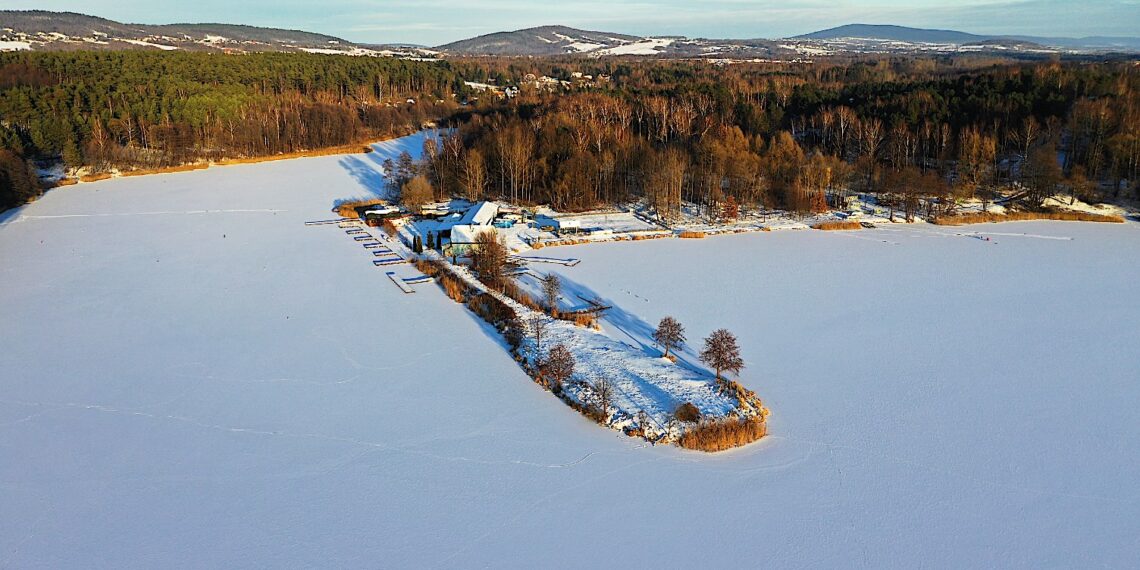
(382, 210)
(465, 234)
(481, 214)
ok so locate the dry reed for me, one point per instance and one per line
(727, 433)
(984, 217)
(838, 225)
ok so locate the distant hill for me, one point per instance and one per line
(543, 40)
(894, 33)
(927, 36)
(1098, 43)
(43, 30)
(848, 39)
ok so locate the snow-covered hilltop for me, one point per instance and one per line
(43, 30)
(851, 39)
(563, 40)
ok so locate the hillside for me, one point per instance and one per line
(894, 33)
(842, 40)
(543, 40)
(875, 33)
(563, 40)
(43, 30)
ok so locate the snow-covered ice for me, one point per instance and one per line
(193, 378)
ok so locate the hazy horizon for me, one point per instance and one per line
(435, 22)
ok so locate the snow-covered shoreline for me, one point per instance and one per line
(648, 388)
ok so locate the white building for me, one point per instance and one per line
(475, 221)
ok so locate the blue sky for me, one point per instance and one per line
(434, 22)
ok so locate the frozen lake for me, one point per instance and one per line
(193, 378)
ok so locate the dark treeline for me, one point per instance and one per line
(919, 132)
(135, 109)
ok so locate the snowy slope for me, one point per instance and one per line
(192, 378)
(647, 46)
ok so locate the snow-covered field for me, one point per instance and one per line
(646, 46)
(10, 45)
(193, 378)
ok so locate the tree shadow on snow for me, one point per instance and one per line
(369, 178)
(633, 329)
(11, 215)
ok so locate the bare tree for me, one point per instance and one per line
(730, 209)
(513, 332)
(669, 334)
(667, 177)
(515, 146)
(976, 155)
(1042, 173)
(551, 288)
(538, 327)
(489, 258)
(604, 390)
(432, 162)
(722, 353)
(473, 175)
(1026, 137)
(416, 192)
(1079, 185)
(557, 367)
(846, 123)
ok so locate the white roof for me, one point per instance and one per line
(480, 214)
(466, 233)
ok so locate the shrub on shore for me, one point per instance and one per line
(983, 217)
(687, 412)
(351, 208)
(95, 177)
(389, 228)
(838, 225)
(587, 320)
(512, 290)
(722, 434)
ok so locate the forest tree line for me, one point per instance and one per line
(921, 134)
(136, 109)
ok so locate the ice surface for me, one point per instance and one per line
(193, 378)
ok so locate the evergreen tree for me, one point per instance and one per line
(551, 289)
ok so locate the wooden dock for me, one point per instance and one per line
(400, 283)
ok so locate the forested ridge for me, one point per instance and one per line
(919, 132)
(132, 109)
